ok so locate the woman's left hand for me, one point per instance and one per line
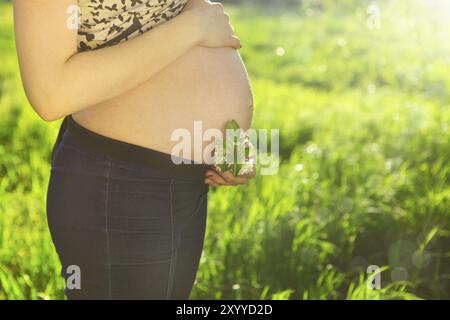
(217, 179)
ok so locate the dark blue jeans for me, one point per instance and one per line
(132, 224)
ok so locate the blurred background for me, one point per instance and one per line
(360, 91)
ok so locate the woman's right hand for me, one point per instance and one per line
(214, 24)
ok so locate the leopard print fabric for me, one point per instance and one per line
(107, 22)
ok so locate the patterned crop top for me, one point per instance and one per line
(107, 22)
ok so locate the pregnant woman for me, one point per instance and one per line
(127, 221)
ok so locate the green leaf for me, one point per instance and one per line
(233, 125)
(247, 152)
(223, 167)
(236, 168)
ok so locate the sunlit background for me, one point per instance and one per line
(360, 91)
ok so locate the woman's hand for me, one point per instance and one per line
(217, 179)
(214, 24)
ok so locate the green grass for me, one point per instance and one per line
(365, 145)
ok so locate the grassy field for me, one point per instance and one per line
(364, 118)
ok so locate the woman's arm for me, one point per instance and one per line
(59, 81)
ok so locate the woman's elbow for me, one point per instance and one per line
(45, 107)
(45, 111)
(46, 115)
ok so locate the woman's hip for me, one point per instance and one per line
(107, 214)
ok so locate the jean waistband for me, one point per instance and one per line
(131, 153)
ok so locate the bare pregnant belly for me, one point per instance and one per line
(205, 84)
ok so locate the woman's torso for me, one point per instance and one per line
(205, 84)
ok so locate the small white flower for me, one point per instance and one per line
(242, 143)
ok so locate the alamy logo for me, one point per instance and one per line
(74, 277)
(374, 279)
(237, 146)
(73, 21)
(373, 21)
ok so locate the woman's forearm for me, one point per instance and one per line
(91, 77)
(60, 81)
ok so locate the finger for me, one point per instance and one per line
(250, 175)
(235, 42)
(211, 183)
(231, 179)
(241, 180)
(227, 176)
(216, 178)
(214, 185)
(217, 4)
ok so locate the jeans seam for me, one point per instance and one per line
(108, 249)
(171, 232)
(201, 201)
